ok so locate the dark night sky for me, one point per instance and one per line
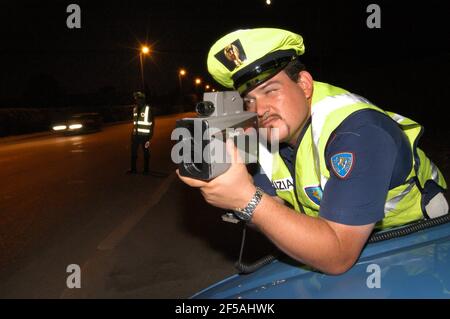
(382, 64)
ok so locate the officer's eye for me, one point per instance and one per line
(249, 103)
(270, 90)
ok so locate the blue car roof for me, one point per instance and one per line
(413, 266)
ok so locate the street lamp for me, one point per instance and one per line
(144, 51)
(197, 82)
(181, 73)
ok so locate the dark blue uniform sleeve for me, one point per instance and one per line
(261, 180)
(361, 164)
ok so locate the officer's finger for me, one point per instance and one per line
(191, 181)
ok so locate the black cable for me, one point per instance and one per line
(245, 268)
(409, 229)
(249, 268)
(244, 231)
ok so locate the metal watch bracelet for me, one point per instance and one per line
(246, 213)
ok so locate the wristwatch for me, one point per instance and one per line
(246, 213)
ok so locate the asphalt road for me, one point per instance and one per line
(66, 200)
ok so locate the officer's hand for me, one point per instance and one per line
(147, 144)
(233, 189)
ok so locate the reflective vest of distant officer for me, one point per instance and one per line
(143, 125)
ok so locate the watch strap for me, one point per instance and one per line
(246, 213)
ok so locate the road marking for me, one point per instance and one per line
(116, 236)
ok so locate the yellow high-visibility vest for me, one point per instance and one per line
(330, 107)
(142, 121)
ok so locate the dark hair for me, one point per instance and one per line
(293, 68)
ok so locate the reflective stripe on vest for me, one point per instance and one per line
(144, 123)
(392, 203)
(265, 158)
(434, 172)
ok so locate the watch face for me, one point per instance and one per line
(242, 215)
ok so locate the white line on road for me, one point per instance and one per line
(116, 236)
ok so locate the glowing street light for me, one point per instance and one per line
(144, 51)
(207, 87)
(197, 82)
(181, 73)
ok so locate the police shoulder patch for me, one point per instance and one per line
(342, 164)
(314, 193)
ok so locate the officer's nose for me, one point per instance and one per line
(262, 108)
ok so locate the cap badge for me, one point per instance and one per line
(232, 56)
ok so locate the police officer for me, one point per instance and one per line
(143, 125)
(344, 166)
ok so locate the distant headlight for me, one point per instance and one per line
(59, 127)
(75, 126)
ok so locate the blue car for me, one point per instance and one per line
(409, 262)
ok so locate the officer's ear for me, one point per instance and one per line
(305, 81)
